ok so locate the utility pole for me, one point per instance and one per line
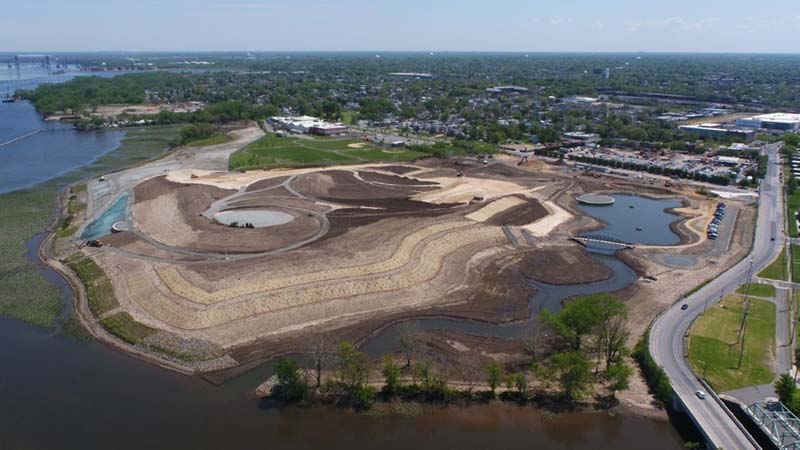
(745, 306)
(741, 347)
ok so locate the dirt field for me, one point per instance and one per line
(369, 245)
(110, 111)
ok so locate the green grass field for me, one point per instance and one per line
(99, 291)
(24, 293)
(271, 151)
(213, 140)
(757, 290)
(795, 262)
(713, 348)
(124, 327)
(792, 205)
(777, 269)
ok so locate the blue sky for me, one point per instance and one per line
(466, 25)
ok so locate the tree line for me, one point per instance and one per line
(570, 352)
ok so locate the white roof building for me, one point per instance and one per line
(774, 121)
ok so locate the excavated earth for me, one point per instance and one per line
(367, 246)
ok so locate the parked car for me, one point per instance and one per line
(684, 307)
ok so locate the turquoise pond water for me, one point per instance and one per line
(102, 225)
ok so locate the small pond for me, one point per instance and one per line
(639, 220)
(259, 218)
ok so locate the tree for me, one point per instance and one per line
(786, 389)
(422, 372)
(619, 376)
(292, 385)
(391, 375)
(611, 330)
(573, 373)
(408, 341)
(471, 371)
(519, 383)
(319, 356)
(352, 368)
(533, 337)
(494, 376)
(577, 318)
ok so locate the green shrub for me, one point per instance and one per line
(654, 375)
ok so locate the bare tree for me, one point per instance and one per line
(472, 371)
(408, 341)
(533, 338)
(320, 355)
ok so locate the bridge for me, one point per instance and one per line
(21, 137)
(777, 422)
(587, 239)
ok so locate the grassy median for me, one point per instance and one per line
(792, 206)
(777, 270)
(714, 346)
(757, 290)
(24, 292)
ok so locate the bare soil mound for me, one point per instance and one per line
(266, 184)
(375, 177)
(339, 185)
(399, 169)
(186, 228)
(520, 215)
(565, 265)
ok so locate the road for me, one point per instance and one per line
(667, 334)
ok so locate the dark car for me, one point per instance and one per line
(684, 307)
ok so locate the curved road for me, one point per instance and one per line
(667, 334)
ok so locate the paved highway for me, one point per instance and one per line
(667, 334)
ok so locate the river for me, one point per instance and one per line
(58, 392)
(57, 149)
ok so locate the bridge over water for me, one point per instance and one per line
(587, 239)
(777, 422)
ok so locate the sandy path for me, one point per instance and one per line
(555, 217)
(496, 207)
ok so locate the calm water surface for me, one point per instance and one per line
(56, 150)
(635, 219)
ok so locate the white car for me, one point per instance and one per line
(700, 394)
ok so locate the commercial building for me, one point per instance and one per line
(328, 129)
(507, 90)
(715, 131)
(306, 125)
(728, 160)
(579, 136)
(774, 121)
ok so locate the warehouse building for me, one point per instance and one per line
(307, 125)
(774, 121)
(715, 131)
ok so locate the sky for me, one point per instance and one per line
(730, 26)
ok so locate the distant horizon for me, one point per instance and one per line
(426, 52)
(569, 26)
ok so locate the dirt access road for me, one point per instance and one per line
(213, 158)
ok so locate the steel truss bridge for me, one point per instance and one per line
(587, 239)
(777, 422)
